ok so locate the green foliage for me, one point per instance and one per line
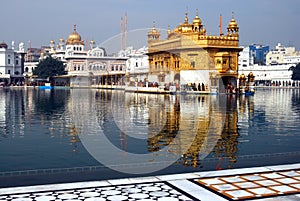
(49, 67)
(296, 72)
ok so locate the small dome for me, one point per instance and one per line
(52, 42)
(3, 45)
(186, 19)
(232, 23)
(154, 30)
(169, 30)
(74, 38)
(197, 20)
(61, 40)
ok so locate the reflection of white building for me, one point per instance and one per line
(91, 66)
(11, 63)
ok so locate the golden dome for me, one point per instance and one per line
(153, 30)
(232, 23)
(61, 40)
(74, 38)
(197, 20)
(52, 42)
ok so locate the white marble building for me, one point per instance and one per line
(91, 66)
(283, 55)
(11, 64)
(274, 73)
(137, 65)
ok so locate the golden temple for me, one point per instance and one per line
(189, 48)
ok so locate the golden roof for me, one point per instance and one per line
(74, 38)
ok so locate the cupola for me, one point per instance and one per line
(74, 38)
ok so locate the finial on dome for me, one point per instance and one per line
(169, 30)
(186, 19)
(74, 27)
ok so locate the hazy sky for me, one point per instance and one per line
(264, 22)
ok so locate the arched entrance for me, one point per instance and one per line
(177, 80)
(227, 84)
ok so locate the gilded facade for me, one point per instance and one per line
(189, 48)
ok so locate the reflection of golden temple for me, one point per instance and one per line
(74, 137)
(227, 146)
(189, 48)
(183, 131)
(223, 139)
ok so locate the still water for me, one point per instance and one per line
(62, 135)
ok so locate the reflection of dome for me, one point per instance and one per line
(74, 38)
(3, 45)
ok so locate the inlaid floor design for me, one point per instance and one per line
(253, 186)
(159, 191)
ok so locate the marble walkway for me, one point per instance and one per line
(268, 183)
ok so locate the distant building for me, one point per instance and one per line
(33, 57)
(88, 67)
(11, 64)
(258, 54)
(283, 55)
(244, 58)
(276, 70)
(137, 65)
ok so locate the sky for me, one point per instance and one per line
(36, 22)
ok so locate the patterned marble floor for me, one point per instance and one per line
(261, 183)
(251, 186)
(145, 191)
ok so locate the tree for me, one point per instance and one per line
(49, 67)
(296, 72)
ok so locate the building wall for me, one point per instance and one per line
(283, 55)
(259, 52)
(11, 64)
